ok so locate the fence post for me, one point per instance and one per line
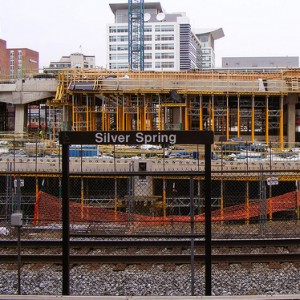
(192, 221)
(65, 220)
(207, 219)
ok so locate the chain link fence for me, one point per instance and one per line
(255, 188)
(261, 207)
(252, 196)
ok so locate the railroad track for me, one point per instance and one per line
(103, 241)
(141, 250)
(154, 259)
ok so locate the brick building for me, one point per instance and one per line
(17, 62)
(4, 59)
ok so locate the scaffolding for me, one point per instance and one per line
(229, 103)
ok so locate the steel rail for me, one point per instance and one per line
(141, 241)
(156, 258)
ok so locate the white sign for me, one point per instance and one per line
(16, 183)
(272, 181)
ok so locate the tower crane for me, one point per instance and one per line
(136, 34)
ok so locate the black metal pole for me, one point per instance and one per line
(65, 220)
(208, 259)
(192, 220)
(19, 259)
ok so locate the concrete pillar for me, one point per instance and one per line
(19, 118)
(291, 118)
(177, 118)
(67, 119)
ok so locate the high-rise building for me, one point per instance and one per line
(17, 62)
(207, 39)
(169, 42)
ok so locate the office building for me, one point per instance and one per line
(169, 41)
(75, 60)
(207, 39)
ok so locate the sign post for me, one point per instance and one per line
(67, 138)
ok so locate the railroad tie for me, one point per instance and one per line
(274, 265)
(119, 267)
(169, 267)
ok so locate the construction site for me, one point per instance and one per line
(258, 109)
(255, 106)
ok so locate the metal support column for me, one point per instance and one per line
(208, 258)
(201, 113)
(281, 123)
(227, 117)
(65, 219)
(253, 119)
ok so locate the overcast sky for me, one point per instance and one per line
(59, 27)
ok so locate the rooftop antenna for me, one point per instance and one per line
(160, 17)
(147, 17)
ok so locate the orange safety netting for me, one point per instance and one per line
(47, 210)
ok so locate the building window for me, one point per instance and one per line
(147, 28)
(118, 66)
(118, 47)
(147, 37)
(164, 37)
(116, 29)
(164, 28)
(164, 46)
(169, 55)
(148, 56)
(148, 65)
(147, 47)
(166, 65)
(121, 56)
(118, 38)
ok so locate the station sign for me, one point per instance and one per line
(136, 137)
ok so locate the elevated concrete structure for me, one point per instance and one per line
(25, 91)
(253, 105)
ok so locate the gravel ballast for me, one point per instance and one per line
(102, 280)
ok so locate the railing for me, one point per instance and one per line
(205, 81)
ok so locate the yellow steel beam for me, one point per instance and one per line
(267, 120)
(227, 117)
(281, 135)
(201, 113)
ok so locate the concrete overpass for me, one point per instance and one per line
(24, 91)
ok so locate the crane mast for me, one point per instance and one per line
(136, 34)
